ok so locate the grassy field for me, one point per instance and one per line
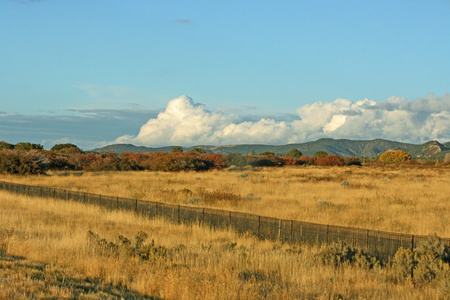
(51, 248)
(405, 199)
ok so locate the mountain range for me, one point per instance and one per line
(342, 147)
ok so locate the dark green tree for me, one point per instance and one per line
(68, 148)
(295, 153)
(176, 149)
(4, 145)
(28, 146)
(199, 150)
(267, 153)
(236, 159)
(320, 153)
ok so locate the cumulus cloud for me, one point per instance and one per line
(187, 123)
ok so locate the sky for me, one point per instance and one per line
(156, 73)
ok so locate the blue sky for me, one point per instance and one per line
(95, 72)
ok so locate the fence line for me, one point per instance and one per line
(379, 243)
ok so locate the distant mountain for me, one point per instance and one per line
(345, 148)
(429, 149)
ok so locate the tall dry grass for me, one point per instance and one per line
(201, 263)
(399, 199)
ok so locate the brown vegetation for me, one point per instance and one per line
(121, 252)
(401, 198)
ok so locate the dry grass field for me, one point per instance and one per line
(404, 199)
(52, 249)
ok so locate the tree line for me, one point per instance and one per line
(29, 159)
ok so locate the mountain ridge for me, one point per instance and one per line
(342, 147)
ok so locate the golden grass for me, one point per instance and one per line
(398, 199)
(211, 264)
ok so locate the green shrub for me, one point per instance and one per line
(338, 254)
(126, 248)
(428, 262)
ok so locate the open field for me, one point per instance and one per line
(64, 260)
(404, 199)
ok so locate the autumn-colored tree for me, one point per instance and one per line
(330, 160)
(307, 160)
(18, 162)
(392, 156)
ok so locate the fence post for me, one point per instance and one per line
(230, 217)
(259, 226)
(203, 215)
(156, 209)
(179, 207)
(367, 240)
(328, 233)
(279, 229)
(291, 229)
(135, 203)
(412, 242)
(117, 202)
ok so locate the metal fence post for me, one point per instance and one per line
(367, 240)
(203, 215)
(279, 229)
(291, 229)
(259, 226)
(412, 242)
(117, 202)
(328, 233)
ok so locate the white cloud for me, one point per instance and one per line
(187, 123)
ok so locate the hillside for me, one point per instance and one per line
(342, 147)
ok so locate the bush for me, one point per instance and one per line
(330, 160)
(265, 161)
(21, 163)
(426, 263)
(236, 159)
(352, 161)
(339, 254)
(392, 156)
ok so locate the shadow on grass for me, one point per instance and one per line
(20, 277)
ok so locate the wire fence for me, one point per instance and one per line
(382, 244)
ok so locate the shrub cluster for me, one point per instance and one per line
(427, 263)
(392, 156)
(39, 161)
(127, 248)
(31, 159)
(339, 254)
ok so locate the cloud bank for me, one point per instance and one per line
(187, 123)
